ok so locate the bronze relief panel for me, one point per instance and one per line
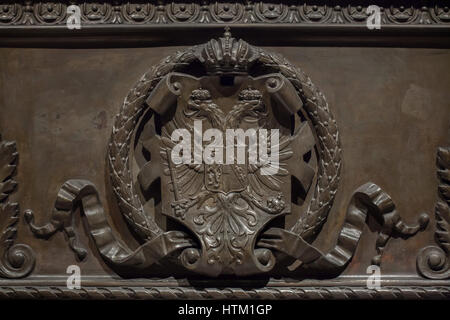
(224, 164)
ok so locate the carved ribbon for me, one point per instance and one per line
(369, 198)
(74, 192)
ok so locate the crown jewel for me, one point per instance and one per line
(201, 94)
(250, 94)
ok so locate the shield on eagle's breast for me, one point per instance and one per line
(226, 178)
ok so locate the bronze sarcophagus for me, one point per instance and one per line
(273, 150)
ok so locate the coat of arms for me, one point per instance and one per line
(225, 159)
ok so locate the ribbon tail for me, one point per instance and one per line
(369, 198)
(110, 247)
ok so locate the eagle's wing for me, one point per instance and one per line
(186, 179)
(292, 148)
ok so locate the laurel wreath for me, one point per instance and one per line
(329, 149)
(134, 107)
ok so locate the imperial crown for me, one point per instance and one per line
(227, 55)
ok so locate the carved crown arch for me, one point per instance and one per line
(312, 140)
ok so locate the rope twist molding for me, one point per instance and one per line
(182, 293)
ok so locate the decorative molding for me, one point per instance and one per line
(184, 293)
(123, 23)
(342, 288)
(434, 262)
(16, 260)
(27, 13)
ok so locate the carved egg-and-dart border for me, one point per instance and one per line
(209, 12)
